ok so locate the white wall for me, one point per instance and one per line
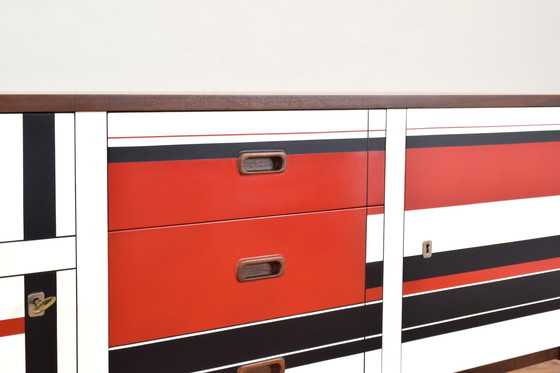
(280, 46)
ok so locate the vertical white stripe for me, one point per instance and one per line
(393, 241)
(12, 354)
(11, 169)
(91, 234)
(65, 181)
(373, 362)
(11, 291)
(66, 321)
(374, 238)
(346, 364)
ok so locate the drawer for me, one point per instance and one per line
(179, 168)
(183, 279)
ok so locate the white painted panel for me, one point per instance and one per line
(451, 228)
(471, 130)
(179, 140)
(393, 239)
(482, 345)
(11, 169)
(243, 122)
(66, 321)
(346, 364)
(373, 362)
(374, 238)
(65, 180)
(377, 120)
(437, 118)
(37, 256)
(11, 292)
(91, 234)
(12, 354)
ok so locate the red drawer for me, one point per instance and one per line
(177, 280)
(376, 178)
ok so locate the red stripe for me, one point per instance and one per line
(374, 294)
(236, 134)
(147, 194)
(513, 126)
(12, 327)
(450, 176)
(467, 278)
(375, 210)
(376, 178)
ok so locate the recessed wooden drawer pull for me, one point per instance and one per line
(265, 162)
(269, 366)
(260, 268)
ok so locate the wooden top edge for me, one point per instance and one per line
(153, 102)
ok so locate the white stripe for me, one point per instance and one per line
(186, 140)
(277, 356)
(91, 232)
(11, 291)
(429, 118)
(469, 130)
(12, 353)
(37, 256)
(234, 327)
(458, 227)
(393, 239)
(65, 180)
(11, 169)
(66, 321)
(377, 120)
(452, 352)
(481, 283)
(374, 238)
(242, 122)
(346, 364)
(373, 362)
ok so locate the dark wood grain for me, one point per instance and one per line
(165, 102)
(517, 363)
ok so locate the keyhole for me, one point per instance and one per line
(427, 249)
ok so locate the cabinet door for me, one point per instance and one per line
(44, 343)
(481, 236)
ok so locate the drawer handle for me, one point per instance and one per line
(265, 162)
(269, 366)
(260, 268)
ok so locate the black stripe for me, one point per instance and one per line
(376, 144)
(470, 139)
(478, 258)
(480, 320)
(327, 353)
(41, 332)
(427, 308)
(231, 150)
(39, 207)
(374, 274)
(253, 342)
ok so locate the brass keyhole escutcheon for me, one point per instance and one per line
(427, 249)
(37, 304)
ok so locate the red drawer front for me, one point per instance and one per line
(376, 178)
(177, 280)
(460, 175)
(148, 194)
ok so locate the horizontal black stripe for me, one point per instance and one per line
(376, 144)
(443, 305)
(433, 141)
(374, 274)
(248, 343)
(327, 353)
(478, 258)
(480, 320)
(231, 150)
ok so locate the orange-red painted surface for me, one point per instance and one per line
(373, 294)
(449, 176)
(12, 327)
(176, 280)
(146, 194)
(468, 278)
(376, 178)
(375, 210)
